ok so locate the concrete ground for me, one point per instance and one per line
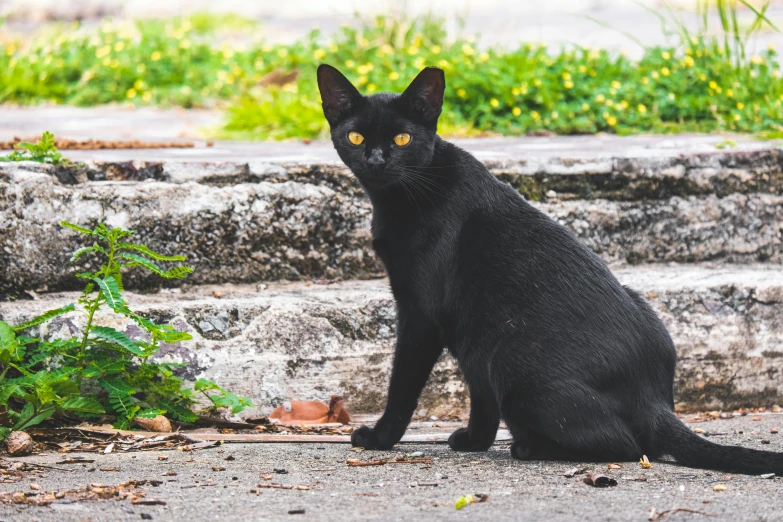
(516, 490)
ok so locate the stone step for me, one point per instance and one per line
(314, 228)
(309, 341)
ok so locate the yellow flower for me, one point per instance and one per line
(184, 44)
(666, 55)
(413, 50)
(155, 56)
(147, 96)
(555, 115)
(537, 82)
(535, 115)
(435, 49)
(568, 84)
(461, 93)
(729, 93)
(494, 102)
(585, 107)
(655, 75)
(386, 49)
(566, 76)
(484, 57)
(103, 51)
(350, 64)
(364, 69)
(645, 80)
(737, 117)
(713, 85)
(282, 52)
(758, 60)
(468, 50)
(515, 91)
(671, 96)
(665, 71)
(582, 69)
(318, 54)
(363, 42)
(616, 84)
(608, 103)
(371, 87)
(139, 85)
(523, 89)
(612, 121)
(119, 46)
(443, 64)
(703, 77)
(600, 98)
(130, 94)
(688, 61)
(740, 105)
(394, 75)
(362, 80)
(516, 111)
(641, 108)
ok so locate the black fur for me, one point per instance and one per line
(579, 367)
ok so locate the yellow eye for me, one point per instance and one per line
(402, 139)
(355, 138)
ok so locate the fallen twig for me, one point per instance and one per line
(663, 514)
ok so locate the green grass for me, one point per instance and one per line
(704, 81)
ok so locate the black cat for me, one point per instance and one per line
(579, 367)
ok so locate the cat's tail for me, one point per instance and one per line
(689, 449)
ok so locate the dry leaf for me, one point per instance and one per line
(575, 471)
(599, 481)
(614, 466)
(719, 487)
(19, 443)
(698, 430)
(159, 423)
(644, 462)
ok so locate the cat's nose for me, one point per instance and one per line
(376, 160)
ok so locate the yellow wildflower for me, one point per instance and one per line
(665, 71)
(350, 64)
(688, 61)
(184, 44)
(612, 121)
(119, 46)
(494, 102)
(155, 56)
(645, 80)
(516, 111)
(600, 98)
(756, 59)
(484, 57)
(468, 50)
(585, 107)
(461, 93)
(394, 75)
(535, 115)
(568, 84)
(435, 49)
(555, 115)
(364, 69)
(740, 105)
(147, 96)
(641, 108)
(103, 51)
(666, 55)
(413, 50)
(616, 84)
(318, 54)
(443, 64)
(130, 94)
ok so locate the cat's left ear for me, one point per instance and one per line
(424, 96)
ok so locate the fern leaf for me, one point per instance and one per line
(51, 314)
(79, 253)
(179, 272)
(82, 405)
(77, 228)
(111, 292)
(150, 253)
(150, 413)
(117, 386)
(119, 338)
(177, 411)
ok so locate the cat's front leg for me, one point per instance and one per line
(483, 424)
(418, 348)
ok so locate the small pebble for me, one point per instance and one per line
(767, 475)
(417, 454)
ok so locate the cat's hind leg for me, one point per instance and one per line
(559, 425)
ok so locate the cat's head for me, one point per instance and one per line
(379, 136)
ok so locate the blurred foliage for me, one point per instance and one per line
(704, 81)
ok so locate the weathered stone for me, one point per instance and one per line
(267, 230)
(293, 341)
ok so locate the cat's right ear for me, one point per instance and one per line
(338, 95)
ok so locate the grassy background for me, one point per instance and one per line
(700, 83)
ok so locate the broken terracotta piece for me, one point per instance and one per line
(311, 412)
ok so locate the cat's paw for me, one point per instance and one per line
(364, 437)
(520, 450)
(460, 441)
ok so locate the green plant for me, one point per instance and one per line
(706, 80)
(44, 151)
(102, 370)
